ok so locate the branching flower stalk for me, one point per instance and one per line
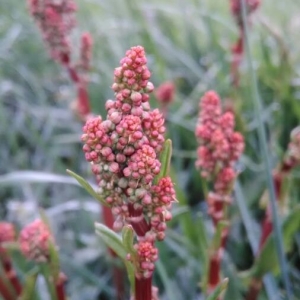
(124, 152)
(290, 161)
(37, 244)
(219, 149)
(56, 20)
(237, 50)
(7, 235)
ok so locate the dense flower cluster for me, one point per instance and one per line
(7, 232)
(124, 149)
(34, 241)
(219, 149)
(55, 19)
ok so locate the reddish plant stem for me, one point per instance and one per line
(83, 100)
(139, 224)
(254, 289)
(4, 290)
(237, 56)
(118, 274)
(10, 273)
(214, 270)
(60, 287)
(143, 288)
(267, 225)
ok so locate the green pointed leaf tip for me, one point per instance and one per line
(54, 260)
(219, 289)
(87, 187)
(267, 259)
(165, 159)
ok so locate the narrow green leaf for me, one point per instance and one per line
(54, 261)
(46, 271)
(267, 260)
(87, 187)
(114, 241)
(128, 240)
(29, 287)
(219, 289)
(111, 239)
(165, 159)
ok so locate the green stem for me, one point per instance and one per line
(263, 141)
(45, 270)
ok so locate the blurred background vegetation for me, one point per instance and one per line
(187, 42)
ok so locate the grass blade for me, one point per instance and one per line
(263, 141)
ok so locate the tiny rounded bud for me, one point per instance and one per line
(136, 97)
(150, 87)
(140, 193)
(123, 183)
(115, 117)
(114, 167)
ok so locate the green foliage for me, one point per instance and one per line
(28, 292)
(188, 43)
(165, 159)
(114, 242)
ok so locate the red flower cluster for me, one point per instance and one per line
(34, 241)
(219, 149)
(55, 19)
(124, 148)
(7, 232)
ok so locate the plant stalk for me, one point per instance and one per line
(143, 288)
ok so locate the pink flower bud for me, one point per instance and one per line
(34, 241)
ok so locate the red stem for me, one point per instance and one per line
(4, 291)
(254, 289)
(214, 270)
(237, 52)
(267, 225)
(143, 286)
(143, 289)
(60, 287)
(83, 100)
(139, 224)
(10, 273)
(118, 274)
